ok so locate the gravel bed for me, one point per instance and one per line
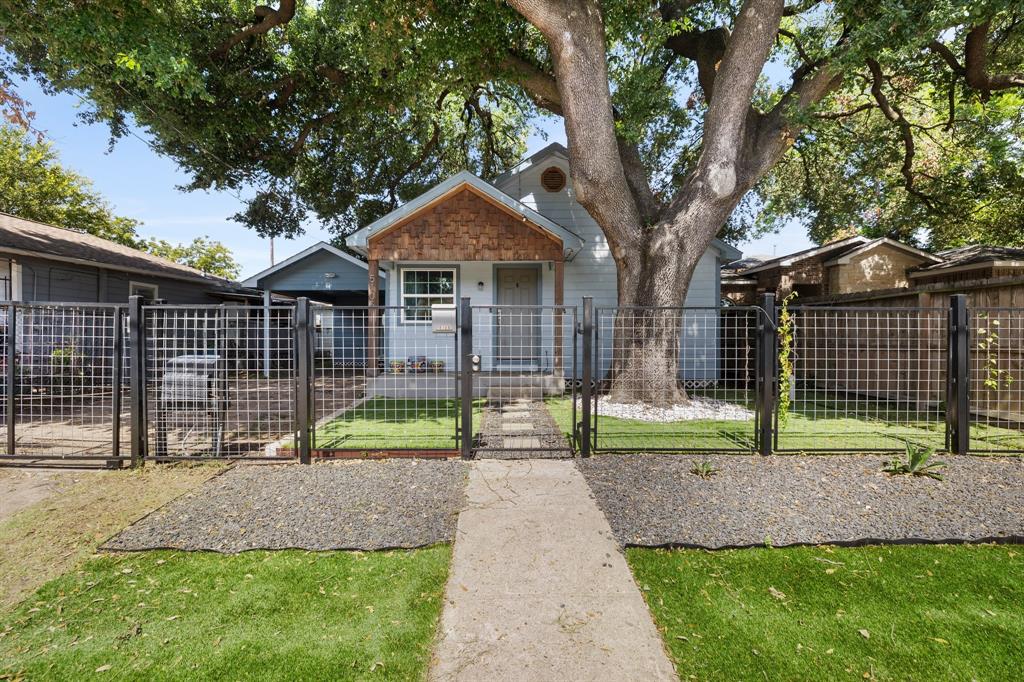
(492, 441)
(331, 505)
(654, 500)
(694, 408)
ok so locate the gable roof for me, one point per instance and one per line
(970, 257)
(784, 261)
(30, 238)
(728, 252)
(553, 149)
(253, 281)
(845, 257)
(571, 243)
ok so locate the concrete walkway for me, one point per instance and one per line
(538, 587)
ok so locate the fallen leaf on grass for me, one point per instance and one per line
(865, 634)
(778, 594)
(104, 668)
(939, 640)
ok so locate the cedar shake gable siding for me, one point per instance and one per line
(464, 226)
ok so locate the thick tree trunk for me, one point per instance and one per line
(646, 363)
(657, 245)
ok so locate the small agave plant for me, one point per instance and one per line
(703, 469)
(919, 463)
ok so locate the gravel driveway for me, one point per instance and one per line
(335, 505)
(654, 500)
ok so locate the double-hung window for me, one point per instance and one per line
(424, 287)
(149, 292)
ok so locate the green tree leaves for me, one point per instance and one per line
(34, 186)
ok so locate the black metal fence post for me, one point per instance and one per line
(587, 329)
(466, 367)
(116, 370)
(304, 377)
(12, 376)
(766, 369)
(137, 380)
(958, 415)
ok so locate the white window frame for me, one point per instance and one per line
(437, 268)
(132, 285)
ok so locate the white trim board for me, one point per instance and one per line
(253, 281)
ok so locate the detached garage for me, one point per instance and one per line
(326, 274)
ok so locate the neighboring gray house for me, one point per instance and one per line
(43, 263)
(325, 274)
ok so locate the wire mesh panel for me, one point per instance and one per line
(526, 385)
(862, 379)
(996, 379)
(220, 381)
(68, 381)
(385, 379)
(675, 379)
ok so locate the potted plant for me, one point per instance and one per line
(417, 364)
(436, 366)
(397, 366)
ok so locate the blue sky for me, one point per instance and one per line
(143, 185)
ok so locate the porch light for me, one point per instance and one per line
(480, 286)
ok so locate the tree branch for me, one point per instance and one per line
(895, 115)
(538, 84)
(577, 42)
(976, 61)
(265, 18)
(943, 51)
(543, 89)
(705, 49)
(729, 110)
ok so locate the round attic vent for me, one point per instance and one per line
(553, 179)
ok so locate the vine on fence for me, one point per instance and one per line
(989, 345)
(785, 332)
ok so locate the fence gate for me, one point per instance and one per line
(521, 383)
(220, 381)
(63, 382)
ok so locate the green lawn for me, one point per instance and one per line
(820, 424)
(390, 423)
(925, 612)
(258, 615)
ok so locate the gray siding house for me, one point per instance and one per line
(521, 239)
(42, 263)
(328, 275)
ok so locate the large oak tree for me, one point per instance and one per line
(684, 119)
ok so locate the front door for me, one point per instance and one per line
(516, 344)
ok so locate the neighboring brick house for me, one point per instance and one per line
(884, 304)
(851, 265)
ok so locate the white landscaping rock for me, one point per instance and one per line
(694, 408)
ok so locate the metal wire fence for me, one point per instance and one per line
(220, 381)
(675, 379)
(384, 381)
(863, 379)
(996, 398)
(525, 380)
(105, 382)
(63, 387)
